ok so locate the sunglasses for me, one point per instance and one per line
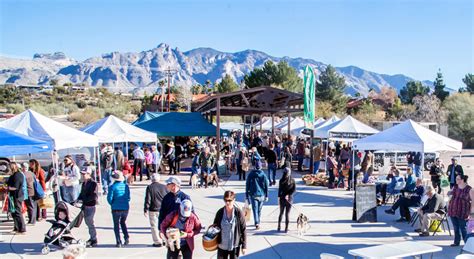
(228, 200)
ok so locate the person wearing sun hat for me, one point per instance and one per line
(188, 224)
(171, 157)
(119, 199)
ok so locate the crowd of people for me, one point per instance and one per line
(167, 207)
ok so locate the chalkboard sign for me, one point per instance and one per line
(365, 203)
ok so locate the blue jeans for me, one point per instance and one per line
(300, 162)
(272, 168)
(119, 217)
(316, 167)
(418, 172)
(106, 179)
(69, 194)
(257, 204)
(459, 228)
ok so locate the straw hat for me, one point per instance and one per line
(118, 176)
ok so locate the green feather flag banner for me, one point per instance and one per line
(309, 96)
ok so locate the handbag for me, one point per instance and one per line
(11, 204)
(444, 182)
(39, 192)
(247, 211)
(46, 203)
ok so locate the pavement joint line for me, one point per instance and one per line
(271, 246)
(11, 246)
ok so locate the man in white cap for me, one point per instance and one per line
(154, 194)
(172, 200)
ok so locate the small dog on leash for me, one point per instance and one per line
(173, 239)
(194, 181)
(302, 224)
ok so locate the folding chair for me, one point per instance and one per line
(443, 221)
(414, 210)
(396, 192)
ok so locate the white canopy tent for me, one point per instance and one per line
(347, 129)
(331, 120)
(408, 136)
(298, 131)
(37, 126)
(113, 130)
(267, 123)
(294, 123)
(230, 126)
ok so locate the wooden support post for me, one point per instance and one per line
(273, 128)
(218, 127)
(289, 126)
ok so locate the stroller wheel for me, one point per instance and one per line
(45, 250)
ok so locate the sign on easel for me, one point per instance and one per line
(365, 203)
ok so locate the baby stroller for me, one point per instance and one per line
(66, 217)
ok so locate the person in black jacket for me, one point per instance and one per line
(233, 236)
(15, 190)
(172, 201)
(89, 198)
(432, 210)
(271, 157)
(454, 169)
(436, 171)
(154, 194)
(285, 196)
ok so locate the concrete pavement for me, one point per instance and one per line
(329, 211)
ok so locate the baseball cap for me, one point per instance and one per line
(186, 208)
(174, 180)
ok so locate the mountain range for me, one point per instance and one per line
(132, 72)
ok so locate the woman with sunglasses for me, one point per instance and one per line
(233, 236)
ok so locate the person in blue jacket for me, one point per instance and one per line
(118, 197)
(256, 191)
(172, 201)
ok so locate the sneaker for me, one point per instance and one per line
(418, 230)
(126, 242)
(424, 234)
(118, 245)
(390, 211)
(157, 245)
(91, 243)
(453, 245)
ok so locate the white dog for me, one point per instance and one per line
(194, 181)
(302, 224)
(172, 238)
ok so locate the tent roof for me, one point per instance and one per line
(40, 127)
(147, 116)
(331, 120)
(12, 143)
(294, 124)
(298, 131)
(350, 126)
(112, 129)
(179, 124)
(408, 136)
(231, 126)
(267, 123)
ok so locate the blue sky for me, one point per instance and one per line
(411, 37)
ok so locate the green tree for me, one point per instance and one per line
(227, 85)
(279, 75)
(439, 86)
(330, 87)
(412, 89)
(396, 110)
(461, 117)
(469, 81)
(197, 89)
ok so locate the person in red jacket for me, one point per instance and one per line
(188, 224)
(35, 167)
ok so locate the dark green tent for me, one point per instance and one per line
(168, 124)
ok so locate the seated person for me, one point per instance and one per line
(405, 202)
(395, 179)
(410, 183)
(369, 178)
(432, 210)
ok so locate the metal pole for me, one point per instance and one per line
(273, 127)
(218, 128)
(353, 170)
(289, 127)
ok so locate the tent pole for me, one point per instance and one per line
(273, 128)
(115, 160)
(56, 174)
(353, 170)
(218, 128)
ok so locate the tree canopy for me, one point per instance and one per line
(412, 89)
(439, 86)
(469, 81)
(278, 75)
(227, 85)
(330, 87)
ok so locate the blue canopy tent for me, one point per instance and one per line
(12, 143)
(146, 116)
(169, 124)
